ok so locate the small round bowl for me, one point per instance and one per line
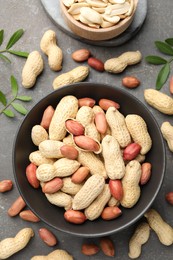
(53, 215)
(94, 34)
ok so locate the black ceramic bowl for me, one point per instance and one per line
(53, 215)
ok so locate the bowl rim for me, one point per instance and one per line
(135, 219)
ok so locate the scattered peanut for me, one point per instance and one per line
(90, 249)
(16, 207)
(167, 132)
(28, 215)
(96, 64)
(49, 46)
(171, 85)
(6, 185)
(32, 68)
(81, 55)
(130, 82)
(48, 237)
(169, 197)
(10, 246)
(58, 254)
(107, 246)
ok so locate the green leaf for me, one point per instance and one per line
(169, 41)
(3, 99)
(14, 38)
(1, 36)
(8, 113)
(24, 98)
(19, 53)
(164, 48)
(19, 108)
(162, 76)
(2, 56)
(14, 86)
(156, 60)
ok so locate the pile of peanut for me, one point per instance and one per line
(99, 14)
(89, 158)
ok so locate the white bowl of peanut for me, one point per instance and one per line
(98, 20)
(86, 148)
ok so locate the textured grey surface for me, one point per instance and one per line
(30, 15)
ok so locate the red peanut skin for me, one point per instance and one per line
(116, 189)
(52, 186)
(111, 213)
(80, 175)
(130, 82)
(48, 237)
(101, 122)
(31, 175)
(16, 207)
(169, 197)
(81, 55)
(171, 85)
(6, 185)
(86, 143)
(90, 102)
(106, 103)
(107, 246)
(74, 127)
(90, 249)
(146, 173)
(47, 117)
(74, 216)
(28, 215)
(69, 151)
(131, 151)
(96, 64)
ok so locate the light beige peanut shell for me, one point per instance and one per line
(48, 45)
(70, 187)
(113, 160)
(60, 199)
(113, 202)
(159, 101)
(118, 64)
(167, 132)
(66, 108)
(68, 140)
(10, 246)
(75, 75)
(130, 184)
(51, 148)
(37, 158)
(139, 132)
(96, 207)
(117, 124)
(45, 172)
(57, 254)
(93, 162)
(140, 237)
(65, 167)
(89, 191)
(32, 68)
(162, 229)
(38, 134)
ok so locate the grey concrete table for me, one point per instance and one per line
(30, 15)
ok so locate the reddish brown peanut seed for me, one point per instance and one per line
(52, 186)
(89, 249)
(130, 82)
(31, 175)
(74, 127)
(106, 103)
(81, 55)
(131, 151)
(28, 215)
(171, 85)
(107, 246)
(101, 122)
(169, 197)
(47, 117)
(86, 143)
(116, 189)
(69, 151)
(90, 102)
(146, 173)
(74, 216)
(48, 237)
(16, 207)
(111, 213)
(80, 175)
(96, 64)
(6, 185)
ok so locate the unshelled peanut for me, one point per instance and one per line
(167, 132)
(56, 254)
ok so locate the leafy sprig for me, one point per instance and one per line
(16, 106)
(166, 48)
(13, 39)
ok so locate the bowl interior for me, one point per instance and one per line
(53, 215)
